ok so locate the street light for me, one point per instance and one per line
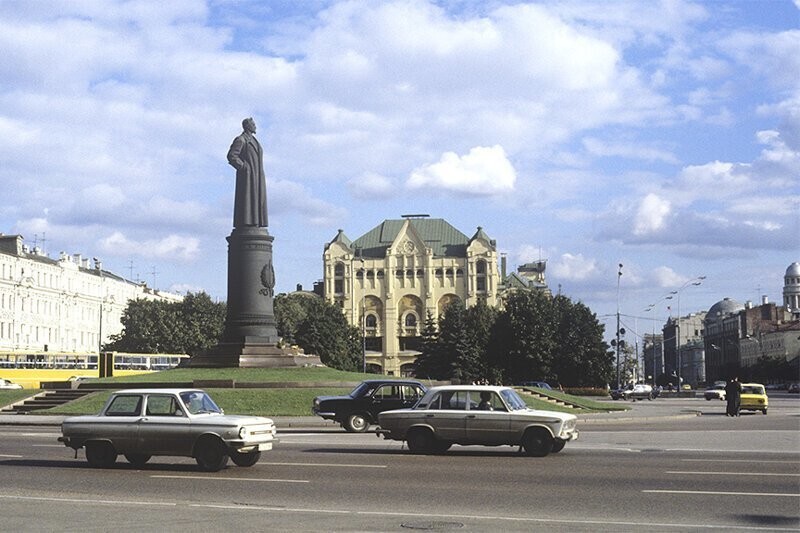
(691, 283)
(619, 275)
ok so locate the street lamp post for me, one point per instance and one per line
(691, 283)
(619, 275)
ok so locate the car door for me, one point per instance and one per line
(385, 398)
(447, 414)
(165, 428)
(487, 421)
(120, 422)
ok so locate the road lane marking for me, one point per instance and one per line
(48, 446)
(601, 524)
(260, 463)
(77, 500)
(722, 493)
(737, 461)
(730, 473)
(10, 456)
(232, 478)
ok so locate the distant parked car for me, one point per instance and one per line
(716, 392)
(6, 384)
(357, 410)
(754, 398)
(640, 391)
(141, 423)
(477, 414)
(539, 384)
(794, 388)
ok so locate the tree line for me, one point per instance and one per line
(533, 337)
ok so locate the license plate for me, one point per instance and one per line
(265, 446)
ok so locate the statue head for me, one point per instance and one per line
(249, 125)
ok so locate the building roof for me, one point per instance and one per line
(793, 270)
(723, 308)
(436, 233)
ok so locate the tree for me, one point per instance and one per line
(319, 328)
(156, 326)
(427, 364)
(536, 337)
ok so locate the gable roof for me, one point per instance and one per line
(436, 233)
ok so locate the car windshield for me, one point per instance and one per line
(198, 402)
(515, 403)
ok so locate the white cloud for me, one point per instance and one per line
(664, 276)
(484, 171)
(171, 247)
(293, 199)
(651, 214)
(574, 267)
(371, 186)
(598, 147)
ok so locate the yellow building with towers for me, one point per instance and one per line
(388, 280)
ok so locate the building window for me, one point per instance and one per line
(480, 273)
(338, 278)
(411, 320)
(371, 321)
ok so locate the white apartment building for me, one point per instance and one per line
(60, 305)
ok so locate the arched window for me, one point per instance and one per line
(371, 322)
(480, 276)
(411, 320)
(338, 278)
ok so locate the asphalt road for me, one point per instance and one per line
(661, 468)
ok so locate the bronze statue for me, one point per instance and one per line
(247, 157)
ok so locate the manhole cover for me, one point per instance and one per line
(429, 526)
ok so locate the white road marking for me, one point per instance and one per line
(320, 464)
(48, 446)
(721, 493)
(602, 524)
(737, 461)
(11, 456)
(233, 478)
(77, 500)
(729, 473)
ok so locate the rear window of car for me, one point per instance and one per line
(752, 389)
(127, 405)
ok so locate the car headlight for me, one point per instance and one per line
(243, 432)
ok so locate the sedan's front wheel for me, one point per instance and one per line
(558, 445)
(537, 442)
(211, 456)
(245, 459)
(356, 423)
(100, 454)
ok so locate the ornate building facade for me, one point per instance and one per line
(388, 280)
(60, 305)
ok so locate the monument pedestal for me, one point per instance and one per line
(251, 338)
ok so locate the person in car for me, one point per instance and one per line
(486, 401)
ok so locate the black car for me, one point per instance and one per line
(356, 411)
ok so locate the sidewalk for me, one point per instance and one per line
(638, 412)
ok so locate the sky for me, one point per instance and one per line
(663, 136)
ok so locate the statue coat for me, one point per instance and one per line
(250, 201)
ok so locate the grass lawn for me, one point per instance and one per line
(278, 401)
(245, 375)
(264, 402)
(7, 397)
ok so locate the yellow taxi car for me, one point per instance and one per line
(754, 398)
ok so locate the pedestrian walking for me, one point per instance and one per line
(733, 396)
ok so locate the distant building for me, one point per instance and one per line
(683, 349)
(653, 355)
(60, 305)
(388, 280)
(791, 289)
(737, 336)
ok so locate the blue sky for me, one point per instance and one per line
(661, 135)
